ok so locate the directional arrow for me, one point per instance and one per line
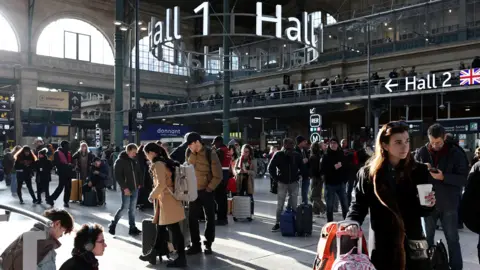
(390, 84)
(312, 110)
(139, 127)
(74, 99)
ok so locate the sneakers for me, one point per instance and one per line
(222, 222)
(208, 248)
(180, 262)
(194, 249)
(276, 228)
(134, 231)
(111, 228)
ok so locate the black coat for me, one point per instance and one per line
(387, 245)
(43, 167)
(334, 176)
(286, 167)
(80, 263)
(127, 172)
(471, 200)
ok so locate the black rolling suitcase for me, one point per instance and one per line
(304, 220)
(90, 198)
(142, 199)
(149, 234)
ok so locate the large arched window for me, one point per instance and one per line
(150, 63)
(75, 39)
(8, 41)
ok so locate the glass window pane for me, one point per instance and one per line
(84, 47)
(70, 45)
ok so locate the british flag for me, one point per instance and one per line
(470, 76)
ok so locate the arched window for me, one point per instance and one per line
(75, 39)
(150, 63)
(8, 41)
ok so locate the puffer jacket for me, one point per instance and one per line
(208, 175)
(127, 172)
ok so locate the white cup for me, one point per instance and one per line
(423, 191)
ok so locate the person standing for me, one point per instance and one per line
(449, 168)
(284, 168)
(208, 171)
(43, 167)
(302, 149)
(62, 159)
(221, 190)
(168, 211)
(335, 172)
(82, 161)
(128, 177)
(24, 165)
(317, 179)
(245, 171)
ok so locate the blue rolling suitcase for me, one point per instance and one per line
(287, 223)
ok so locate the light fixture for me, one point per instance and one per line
(353, 49)
(186, 81)
(117, 23)
(347, 103)
(140, 23)
(350, 38)
(358, 51)
(257, 118)
(386, 24)
(449, 11)
(426, 39)
(123, 28)
(143, 28)
(164, 119)
(329, 36)
(127, 85)
(80, 82)
(390, 28)
(176, 124)
(467, 109)
(284, 45)
(246, 53)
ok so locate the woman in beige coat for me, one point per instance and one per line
(245, 172)
(168, 211)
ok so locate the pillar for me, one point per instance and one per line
(462, 20)
(226, 73)
(376, 121)
(117, 132)
(26, 96)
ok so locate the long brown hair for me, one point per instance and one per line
(20, 155)
(375, 165)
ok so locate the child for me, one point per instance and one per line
(43, 167)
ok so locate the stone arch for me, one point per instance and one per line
(4, 16)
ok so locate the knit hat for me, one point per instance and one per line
(300, 139)
(193, 137)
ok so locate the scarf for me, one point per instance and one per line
(86, 256)
(243, 165)
(436, 155)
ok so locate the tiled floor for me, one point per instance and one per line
(241, 245)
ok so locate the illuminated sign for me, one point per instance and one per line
(414, 83)
(315, 137)
(315, 120)
(167, 34)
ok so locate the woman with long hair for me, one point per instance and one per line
(24, 165)
(387, 187)
(82, 161)
(167, 210)
(144, 164)
(245, 172)
(317, 180)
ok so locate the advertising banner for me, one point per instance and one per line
(157, 132)
(53, 100)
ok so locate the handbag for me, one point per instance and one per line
(273, 186)
(417, 249)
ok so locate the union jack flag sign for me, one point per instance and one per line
(470, 76)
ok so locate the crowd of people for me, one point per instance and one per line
(383, 184)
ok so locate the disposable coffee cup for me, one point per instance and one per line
(423, 191)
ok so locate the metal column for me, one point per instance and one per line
(137, 63)
(118, 127)
(31, 10)
(369, 105)
(226, 71)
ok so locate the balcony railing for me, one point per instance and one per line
(342, 92)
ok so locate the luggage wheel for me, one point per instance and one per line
(235, 219)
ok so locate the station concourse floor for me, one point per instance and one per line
(240, 245)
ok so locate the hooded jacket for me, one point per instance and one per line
(285, 167)
(127, 172)
(334, 176)
(12, 257)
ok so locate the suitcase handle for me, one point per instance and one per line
(341, 233)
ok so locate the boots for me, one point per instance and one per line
(150, 257)
(180, 262)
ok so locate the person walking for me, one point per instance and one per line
(24, 165)
(62, 160)
(168, 211)
(448, 167)
(43, 167)
(208, 171)
(221, 190)
(128, 177)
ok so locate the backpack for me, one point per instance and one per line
(469, 209)
(185, 184)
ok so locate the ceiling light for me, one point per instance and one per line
(390, 28)
(186, 81)
(284, 45)
(257, 118)
(246, 53)
(117, 23)
(347, 103)
(164, 119)
(350, 38)
(143, 28)
(127, 85)
(140, 23)
(385, 24)
(426, 39)
(80, 82)
(358, 51)
(123, 28)
(467, 109)
(329, 36)
(449, 11)
(176, 124)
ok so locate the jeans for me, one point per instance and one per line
(330, 192)
(13, 182)
(24, 177)
(283, 190)
(204, 203)
(305, 189)
(65, 185)
(43, 186)
(129, 202)
(317, 200)
(350, 185)
(449, 220)
(221, 197)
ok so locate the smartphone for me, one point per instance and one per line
(433, 170)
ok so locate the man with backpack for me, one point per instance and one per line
(448, 167)
(208, 172)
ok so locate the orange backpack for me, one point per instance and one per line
(327, 245)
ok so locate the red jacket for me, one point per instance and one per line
(225, 157)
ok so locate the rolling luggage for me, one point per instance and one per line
(304, 220)
(242, 208)
(351, 260)
(149, 234)
(184, 227)
(90, 198)
(287, 223)
(76, 192)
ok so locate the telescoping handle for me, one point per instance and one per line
(341, 232)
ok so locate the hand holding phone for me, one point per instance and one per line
(433, 170)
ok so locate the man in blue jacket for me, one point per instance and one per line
(449, 168)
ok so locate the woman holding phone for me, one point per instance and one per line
(388, 187)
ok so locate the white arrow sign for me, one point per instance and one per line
(74, 99)
(312, 110)
(139, 127)
(390, 84)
